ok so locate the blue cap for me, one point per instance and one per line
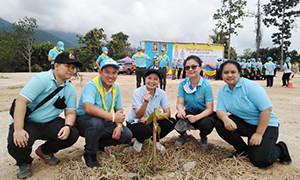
(270, 59)
(238, 59)
(164, 50)
(275, 61)
(288, 58)
(219, 59)
(105, 49)
(61, 45)
(139, 47)
(258, 59)
(153, 69)
(109, 62)
(243, 59)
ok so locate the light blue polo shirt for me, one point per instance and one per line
(287, 69)
(101, 59)
(91, 94)
(246, 101)
(197, 99)
(179, 63)
(269, 66)
(174, 63)
(39, 87)
(159, 99)
(163, 62)
(53, 53)
(141, 61)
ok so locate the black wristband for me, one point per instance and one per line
(71, 127)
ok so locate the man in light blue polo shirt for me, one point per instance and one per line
(100, 115)
(179, 65)
(164, 64)
(44, 123)
(174, 68)
(141, 63)
(59, 48)
(269, 72)
(103, 57)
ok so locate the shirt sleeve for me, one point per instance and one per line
(258, 96)
(72, 98)
(88, 93)
(164, 100)
(180, 90)
(118, 100)
(220, 103)
(137, 99)
(209, 96)
(34, 87)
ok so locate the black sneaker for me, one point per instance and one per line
(49, 159)
(25, 171)
(101, 147)
(285, 157)
(90, 160)
(239, 154)
(203, 143)
(181, 140)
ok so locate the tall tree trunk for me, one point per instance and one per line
(229, 36)
(283, 16)
(258, 30)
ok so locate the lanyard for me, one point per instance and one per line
(139, 54)
(100, 89)
(104, 55)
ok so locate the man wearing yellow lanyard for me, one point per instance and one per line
(59, 48)
(100, 115)
(102, 57)
(164, 63)
(141, 63)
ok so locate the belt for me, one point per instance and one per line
(141, 67)
(163, 67)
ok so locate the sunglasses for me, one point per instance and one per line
(188, 67)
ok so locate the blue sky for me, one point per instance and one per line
(166, 20)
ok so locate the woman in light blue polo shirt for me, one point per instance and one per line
(251, 116)
(287, 70)
(144, 100)
(194, 103)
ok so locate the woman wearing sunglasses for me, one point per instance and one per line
(194, 103)
(251, 116)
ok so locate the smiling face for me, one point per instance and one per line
(152, 81)
(64, 71)
(192, 68)
(108, 75)
(230, 75)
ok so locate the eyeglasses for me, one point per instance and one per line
(188, 67)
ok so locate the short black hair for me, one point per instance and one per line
(196, 58)
(238, 66)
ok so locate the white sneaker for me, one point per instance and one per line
(158, 145)
(137, 146)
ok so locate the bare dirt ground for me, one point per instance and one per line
(285, 104)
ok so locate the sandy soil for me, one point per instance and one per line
(285, 104)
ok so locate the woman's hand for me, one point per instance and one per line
(146, 96)
(192, 118)
(143, 119)
(256, 139)
(181, 113)
(229, 124)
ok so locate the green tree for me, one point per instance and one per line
(40, 56)
(227, 17)
(24, 30)
(119, 47)
(281, 13)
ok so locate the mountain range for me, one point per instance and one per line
(43, 36)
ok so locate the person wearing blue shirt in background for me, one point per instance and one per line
(44, 123)
(269, 72)
(174, 68)
(103, 57)
(141, 63)
(59, 48)
(164, 63)
(195, 103)
(251, 115)
(287, 71)
(179, 65)
(100, 114)
(218, 64)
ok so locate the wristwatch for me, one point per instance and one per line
(71, 127)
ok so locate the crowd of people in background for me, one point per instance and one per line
(243, 108)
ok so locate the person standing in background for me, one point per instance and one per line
(102, 57)
(174, 68)
(59, 48)
(295, 69)
(179, 65)
(141, 63)
(286, 72)
(269, 72)
(164, 63)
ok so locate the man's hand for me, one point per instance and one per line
(181, 113)
(63, 133)
(21, 138)
(117, 133)
(143, 119)
(119, 116)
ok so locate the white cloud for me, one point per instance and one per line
(168, 20)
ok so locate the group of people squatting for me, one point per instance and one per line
(100, 118)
